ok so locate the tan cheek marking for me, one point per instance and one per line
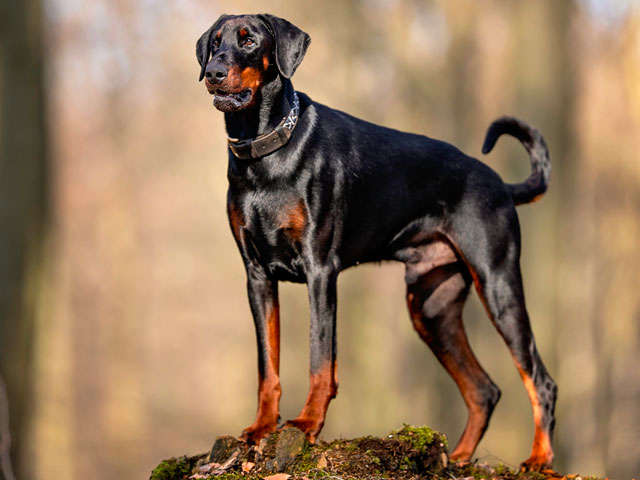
(265, 62)
(251, 78)
(210, 86)
(234, 78)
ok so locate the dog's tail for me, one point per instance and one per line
(536, 184)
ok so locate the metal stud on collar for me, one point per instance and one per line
(292, 118)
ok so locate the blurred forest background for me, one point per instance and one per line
(125, 334)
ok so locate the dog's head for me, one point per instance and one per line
(238, 54)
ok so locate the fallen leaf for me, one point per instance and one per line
(247, 466)
(278, 476)
(208, 467)
(322, 462)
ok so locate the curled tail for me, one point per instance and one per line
(536, 184)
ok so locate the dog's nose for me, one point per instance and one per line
(216, 72)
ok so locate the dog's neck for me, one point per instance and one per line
(274, 103)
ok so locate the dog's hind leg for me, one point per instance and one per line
(502, 294)
(435, 300)
(495, 268)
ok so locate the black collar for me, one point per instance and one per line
(267, 142)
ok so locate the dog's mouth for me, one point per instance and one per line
(232, 101)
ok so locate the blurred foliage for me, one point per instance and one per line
(145, 347)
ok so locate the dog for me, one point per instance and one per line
(314, 191)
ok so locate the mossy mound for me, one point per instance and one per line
(175, 468)
(410, 453)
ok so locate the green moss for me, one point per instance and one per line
(407, 464)
(234, 476)
(418, 437)
(374, 459)
(172, 469)
(351, 446)
(502, 469)
(533, 476)
(307, 464)
(316, 473)
(305, 461)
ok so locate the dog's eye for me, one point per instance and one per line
(247, 42)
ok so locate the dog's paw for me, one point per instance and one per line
(461, 456)
(310, 427)
(256, 432)
(538, 463)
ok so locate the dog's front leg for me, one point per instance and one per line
(263, 298)
(322, 337)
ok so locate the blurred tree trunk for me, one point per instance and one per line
(23, 174)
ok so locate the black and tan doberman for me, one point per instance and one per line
(313, 191)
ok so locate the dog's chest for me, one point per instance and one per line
(272, 227)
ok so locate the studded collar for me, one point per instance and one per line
(267, 142)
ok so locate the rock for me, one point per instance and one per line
(291, 443)
(223, 448)
(229, 463)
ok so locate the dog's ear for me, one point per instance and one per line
(290, 43)
(203, 45)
